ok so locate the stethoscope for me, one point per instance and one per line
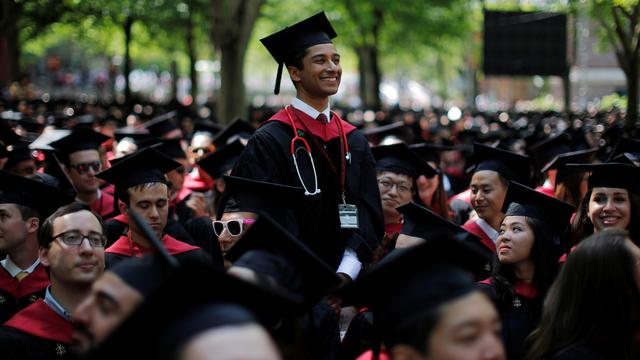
(306, 148)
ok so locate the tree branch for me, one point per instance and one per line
(619, 28)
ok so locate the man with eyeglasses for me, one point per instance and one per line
(398, 168)
(22, 277)
(72, 249)
(82, 161)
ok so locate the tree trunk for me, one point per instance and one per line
(232, 24)
(9, 43)
(370, 76)
(127, 59)
(174, 81)
(191, 52)
(632, 96)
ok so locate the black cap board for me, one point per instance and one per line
(547, 149)
(430, 151)
(415, 281)
(130, 132)
(611, 175)
(574, 157)
(7, 135)
(242, 194)
(43, 142)
(399, 159)
(19, 152)
(625, 145)
(521, 200)
(423, 223)
(15, 189)
(506, 163)
(627, 158)
(269, 249)
(218, 163)
(78, 140)
(144, 166)
(172, 148)
(238, 128)
(207, 126)
(397, 129)
(161, 125)
(285, 44)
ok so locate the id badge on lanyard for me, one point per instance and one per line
(348, 214)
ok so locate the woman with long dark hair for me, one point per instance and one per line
(591, 311)
(526, 260)
(612, 201)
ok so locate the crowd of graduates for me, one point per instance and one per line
(295, 234)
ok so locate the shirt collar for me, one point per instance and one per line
(309, 110)
(491, 232)
(13, 269)
(55, 305)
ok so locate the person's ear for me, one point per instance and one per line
(294, 73)
(123, 207)
(43, 254)
(33, 224)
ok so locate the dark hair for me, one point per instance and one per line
(297, 60)
(568, 190)
(415, 331)
(27, 212)
(543, 257)
(594, 297)
(45, 236)
(583, 227)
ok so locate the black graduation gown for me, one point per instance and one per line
(16, 295)
(590, 350)
(36, 332)
(267, 157)
(520, 316)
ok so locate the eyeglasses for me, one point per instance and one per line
(388, 185)
(75, 238)
(83, 168)
(234, 227)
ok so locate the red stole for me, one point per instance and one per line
(103, 206)
(473, 228)
(319, 129)
(392, 228)
(34, 282)
(197, 180)
(38, 319)
(182, 194)
(464, 196)
(522, 288)
(368, 355)
(127, 247)
(546, 190)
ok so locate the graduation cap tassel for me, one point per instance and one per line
(278, 79)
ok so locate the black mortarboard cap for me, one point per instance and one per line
(423, 223)
(612, 175)
(547, 149)
(399, 159)
(414, 281)
(627, 158)
(238, 128)
(19, 152)
(46, 199)
(7, 135)
(136, 134)
(80, 139)
(431, 152)
(574, 157)
(521, 200)
(207, 126)
(172, 148)
(269, 249)
(144, 274)
(43, 142)
(625, 145)
(294, 39)
(242, 194)
(218, 163)
(144, 166)
(160, 125)
(398, 129)
(508, 164)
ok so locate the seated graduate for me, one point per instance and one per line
(426, 306)
(570, 184)
(43, 330)
(528, 248)
(141, 185)
(493, 170)
(432, 191)
(243, 200)
(23, 278)
(591, 310)
(397, 169)
(270, 256)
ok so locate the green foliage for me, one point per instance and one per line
(613, 101)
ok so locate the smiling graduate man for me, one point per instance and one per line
(307, 145)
